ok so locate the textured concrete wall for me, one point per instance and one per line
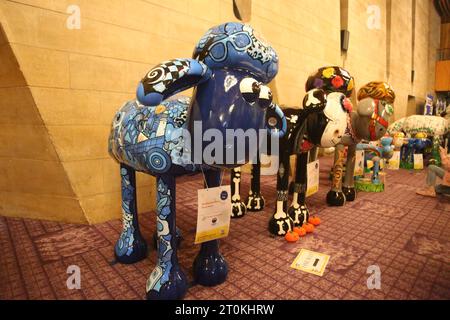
(366, 56)
(305, 35)
(382, 54)
(33, 179)
(401, 53)
(59, 88)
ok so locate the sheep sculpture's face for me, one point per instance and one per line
(234, 45)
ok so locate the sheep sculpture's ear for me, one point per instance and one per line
(276, 122)
(169, 78)
(315, 100)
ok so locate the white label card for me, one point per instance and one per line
(394, 162)
(313, 178)
(418, 161)
(311, 262)
(214, 212)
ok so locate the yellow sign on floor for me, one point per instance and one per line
(311, 262)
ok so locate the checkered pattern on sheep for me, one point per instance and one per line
(160, 77)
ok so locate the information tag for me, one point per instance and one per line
(359, 163)
(394, 162)
(312, 183)
(418, 161)
(214, 212)
(311, 262)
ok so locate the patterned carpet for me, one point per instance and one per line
(407, 236)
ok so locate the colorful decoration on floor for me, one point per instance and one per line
(291, 236)
(411, 147)
(368, 122)
(315, 221)
(309, 227)
(301, 231)
(297, 232)
(229, 70)
(375, 154)
(434, 128)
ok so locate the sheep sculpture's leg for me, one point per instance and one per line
(210, 267)
(435, 156)
(298, 211)
(167, 281)
(403, 156)
(130, 247)
(376, 169)
(281, 223)
(335, 197)
(313, 154)
(348, 187)
(238, 208)
(179, 238)
(255, 201)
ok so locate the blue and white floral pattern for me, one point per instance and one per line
(160, 274)
(150, 139)
(124, 245)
